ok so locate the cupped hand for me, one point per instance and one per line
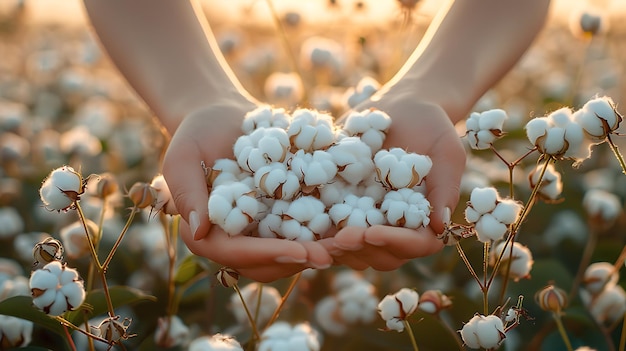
(424, 128)
(205, 136)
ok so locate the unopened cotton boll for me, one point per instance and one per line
(406, 208)
(520, 259)
(313, 169)
(261, 147)
(284, 88)
(267, 302)
(311, 130)
(283, 336)
(397, 168)
(356, 211)
(484, 128)
(233, 207)
(370, 125)
(265, 116)
(483, 332)
(164, 201)
(305, 220)
(353, 158)
(599, 276)
(598, 118)
(551, 185)
(276, 181)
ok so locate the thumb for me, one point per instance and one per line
(183, 172)
(443, 181)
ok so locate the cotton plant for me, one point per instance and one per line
(484, 128)
(490, 214)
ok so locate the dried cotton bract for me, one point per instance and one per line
(483, 128)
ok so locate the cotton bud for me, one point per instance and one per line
(609, 306)
(276, 181)
(558, 135)
(587, 23)
(354, 159)
(397, 168)
(396, 308)
(283, 336)
(113, 330)
(551, 185)
(484, 128)
(74, 238)
(228, 277)
(233, 206)
(602, 207)
(224, 170)
(433, 301)
(106, 186)
(310, 130)
(217, 342)
(283, 88)
(313, 169)
(520, 260)
(164, 200)
(406, 208)
(261, 147)
(598, 276)
(598, 118)
(265, 117)
(356, 211)
(47, 251)
(358, 303)
(371, 126)
(365, 88)
(61, 189)
(305, 220)
(552, 299)
(483, 332)
(267, 302)
(171, 332)
(142, 195)
(14, 332)
(56, 288)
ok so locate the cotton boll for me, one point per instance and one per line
(602, 207)
(313, 169)
(536, 128)
(484, 128)
(406, 208)
(354, 159)
(265, 116)
(327, 316)
(599, 276)
(489, 228)
(370, 126)
(520, 261)
(507, 211)
(609, 306)
(483, 332)
(335, 191)
(261, 147)
(598, 118)
(284, 88)
(398, 169)
(551, 185)
(233, 207)
(276, 181)
(307, 219)
(311, 130)
(358, 303)
(484, 200)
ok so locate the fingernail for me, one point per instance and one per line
(289, 259)
(194, 223)
(318, 265)
(353, 247)
(446, 215)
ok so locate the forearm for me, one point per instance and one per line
(167, 53)
(468, 48)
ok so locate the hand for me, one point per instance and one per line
(207, 135)
(423, 128)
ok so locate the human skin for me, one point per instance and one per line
(167, 53)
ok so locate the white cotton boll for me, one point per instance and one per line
(327, 316)
(551, 185)
(284, 88)
(282, 336)
(365, 88)
(267, 303)
(313, 169)
(311, 130)
(261, 147)
(356, 123)
(471, 215)
(397, 169)
(224, 210)
(591, 124)
(578, 147)
(396, 308)
(554, 142)
(319, 53)
(371, 188)
(536, 128)
(339, 213)
(79, 140)
(270, 226)
(353, 158)
(599, 276)
(225, 171)
(356, 212)
(484, 200)
(598, 118)
(370, 126)
(492, 119)
(609, 306)
(521, 261)
(602, 204)
(489, 228)
(265, 117)
(308, 219)
(406, 208)
(11, 222)
(217, 342)
(507, 211)
(483, 332)
(484, 128)
(275, 181)
(335, 191)
(358, 303)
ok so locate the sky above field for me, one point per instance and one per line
(71, 11)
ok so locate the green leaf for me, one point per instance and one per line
(188, 269)
(96, 302)
(22, 307)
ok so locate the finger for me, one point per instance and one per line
(402, 242)
(268, 274)
(242, 251)
(184, 175)
(349, 239)
(317, 256)
(444, 179)
(351, 260)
